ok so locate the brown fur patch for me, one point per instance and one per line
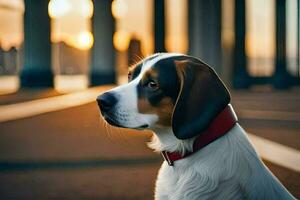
(149, 73)
(163, 110)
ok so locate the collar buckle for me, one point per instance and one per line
(166, 158)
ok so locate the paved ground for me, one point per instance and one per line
(71, 154)
(26, 95)
(263, 107)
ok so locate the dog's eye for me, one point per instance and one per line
(153, 85)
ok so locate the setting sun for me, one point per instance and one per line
(85, 40)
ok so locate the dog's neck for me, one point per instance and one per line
(163, 139)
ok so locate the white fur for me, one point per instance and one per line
(228, 168)
(126, 111)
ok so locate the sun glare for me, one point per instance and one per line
(121, 40)
(85, 40)
(119, 8)
(71, 22)
(61, 8)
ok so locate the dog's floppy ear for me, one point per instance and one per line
(201, 98)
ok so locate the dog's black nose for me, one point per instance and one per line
(106, 101)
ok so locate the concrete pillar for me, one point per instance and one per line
(205, 31)
(241, 78)
(298, 38)
(103, 69)
(159, 26)
(36, 71)
(281, 78)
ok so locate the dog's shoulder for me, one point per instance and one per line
(228, 168)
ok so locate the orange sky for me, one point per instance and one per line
(71, 22)
(11, 23)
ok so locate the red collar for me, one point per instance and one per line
(219, 127)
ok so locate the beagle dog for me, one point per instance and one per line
(207, 153)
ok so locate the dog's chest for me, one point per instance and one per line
(167, 182)
(189, 183)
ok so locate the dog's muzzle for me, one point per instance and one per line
(106, 103)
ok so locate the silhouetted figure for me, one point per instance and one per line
(134, 52)
(9, 61)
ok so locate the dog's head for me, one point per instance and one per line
(166, 90)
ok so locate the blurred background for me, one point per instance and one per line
(82, 43)
(51, 50)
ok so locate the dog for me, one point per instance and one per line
(187, 107)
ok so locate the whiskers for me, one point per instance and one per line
(115, 134)
(106, 127)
